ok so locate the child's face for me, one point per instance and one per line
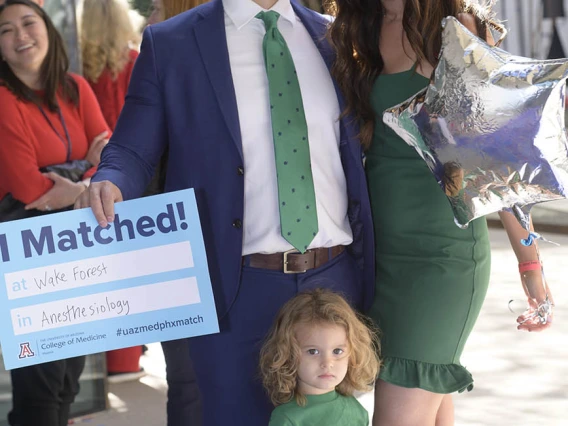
(324, 357)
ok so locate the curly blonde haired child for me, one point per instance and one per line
(319, 351)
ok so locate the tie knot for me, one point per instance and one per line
(269, 18)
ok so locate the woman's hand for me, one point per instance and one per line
(534, 284)
(539, 298)
(63, 194)
(96, 147)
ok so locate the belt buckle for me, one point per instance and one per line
(285, 254)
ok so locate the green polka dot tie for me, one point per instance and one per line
(296, 195)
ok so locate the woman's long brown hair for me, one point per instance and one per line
(355, 36)
(54, 76)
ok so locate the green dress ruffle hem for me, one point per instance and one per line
(437, 378)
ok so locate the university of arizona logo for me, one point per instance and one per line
(26, 351)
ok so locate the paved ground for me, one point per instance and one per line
(520, 378)
(553, 213)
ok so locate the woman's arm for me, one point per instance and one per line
(516, 233)
(62, 194)
(90, 110)
(533, 282)
(96, 128)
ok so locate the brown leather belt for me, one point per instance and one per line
(292, 261)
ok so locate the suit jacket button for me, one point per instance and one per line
(240, 171)
(237, 224)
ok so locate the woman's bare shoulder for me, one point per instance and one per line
(468, 21)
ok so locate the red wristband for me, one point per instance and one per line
(531, 265)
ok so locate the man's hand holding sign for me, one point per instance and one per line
(101, 196)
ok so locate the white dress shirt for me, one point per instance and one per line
(261, 221)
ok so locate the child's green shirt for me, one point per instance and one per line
(330, 409)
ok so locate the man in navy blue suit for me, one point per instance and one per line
(240, 93)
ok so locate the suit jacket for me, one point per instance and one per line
(181, 96)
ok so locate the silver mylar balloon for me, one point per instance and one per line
(490, 126)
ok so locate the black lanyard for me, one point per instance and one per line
(69, 145)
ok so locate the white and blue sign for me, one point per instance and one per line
(73, 288)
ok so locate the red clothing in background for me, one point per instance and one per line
(28, 143)
(111, 93)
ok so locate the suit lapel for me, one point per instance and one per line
(212, 42)
(317, 29)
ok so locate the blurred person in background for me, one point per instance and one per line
(106, 36)
(184, 406)
(175, 7)
(157, 13)
(313, 4)
(49, 119)
(165, 9)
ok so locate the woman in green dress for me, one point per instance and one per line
(432, 276)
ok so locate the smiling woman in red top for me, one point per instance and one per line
(47, 117)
